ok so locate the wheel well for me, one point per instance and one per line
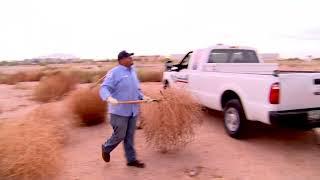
(228, 95)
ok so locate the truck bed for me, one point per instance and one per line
(294, 71)
(241, 68)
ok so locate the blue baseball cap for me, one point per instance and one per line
(124, 54)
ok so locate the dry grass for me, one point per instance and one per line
(12, 79)
(15, 78)
(82, 75)
(21, 86)
(295, 64)
(149, 75)
(169, 125)
(87, 106)
(88, 76)
(30, 148)
(53, 87)
(34, 75)
(3, 78)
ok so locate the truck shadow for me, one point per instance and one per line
(260, 131)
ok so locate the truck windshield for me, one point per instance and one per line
(233, 56)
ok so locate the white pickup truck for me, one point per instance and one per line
(236, 81)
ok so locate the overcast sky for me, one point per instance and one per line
(100, 28)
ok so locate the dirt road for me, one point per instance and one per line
(269, 153)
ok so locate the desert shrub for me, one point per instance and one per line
(3, 78)
(88, 76)
(33, 75)
(15, 78)
(87, 106)
(54, 86)
(30, 148)
(149, 75)
(12, 79)
(21, 86)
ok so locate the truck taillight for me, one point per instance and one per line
(274, 97)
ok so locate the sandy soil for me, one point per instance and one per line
(16, 100)
(269, 153)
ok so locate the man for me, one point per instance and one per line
(122, 84)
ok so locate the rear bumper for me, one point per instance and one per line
(294, 118)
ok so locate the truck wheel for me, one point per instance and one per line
(234, 119)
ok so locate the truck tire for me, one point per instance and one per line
(235, 121)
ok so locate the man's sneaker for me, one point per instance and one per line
(136, 163)
(105, 156)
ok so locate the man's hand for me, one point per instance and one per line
(148, 99)
(112, 100)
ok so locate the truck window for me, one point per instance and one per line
(219, 56)
(243, 56)
(233, 56)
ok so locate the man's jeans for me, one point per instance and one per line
(123, 130)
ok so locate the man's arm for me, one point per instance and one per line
(107, 86)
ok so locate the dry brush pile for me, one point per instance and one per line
(30, 148)
(88, 76)
(54, 86)
(80, 75)
(87, 106)
(26, 76)
(146, 75)
(169, 124)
